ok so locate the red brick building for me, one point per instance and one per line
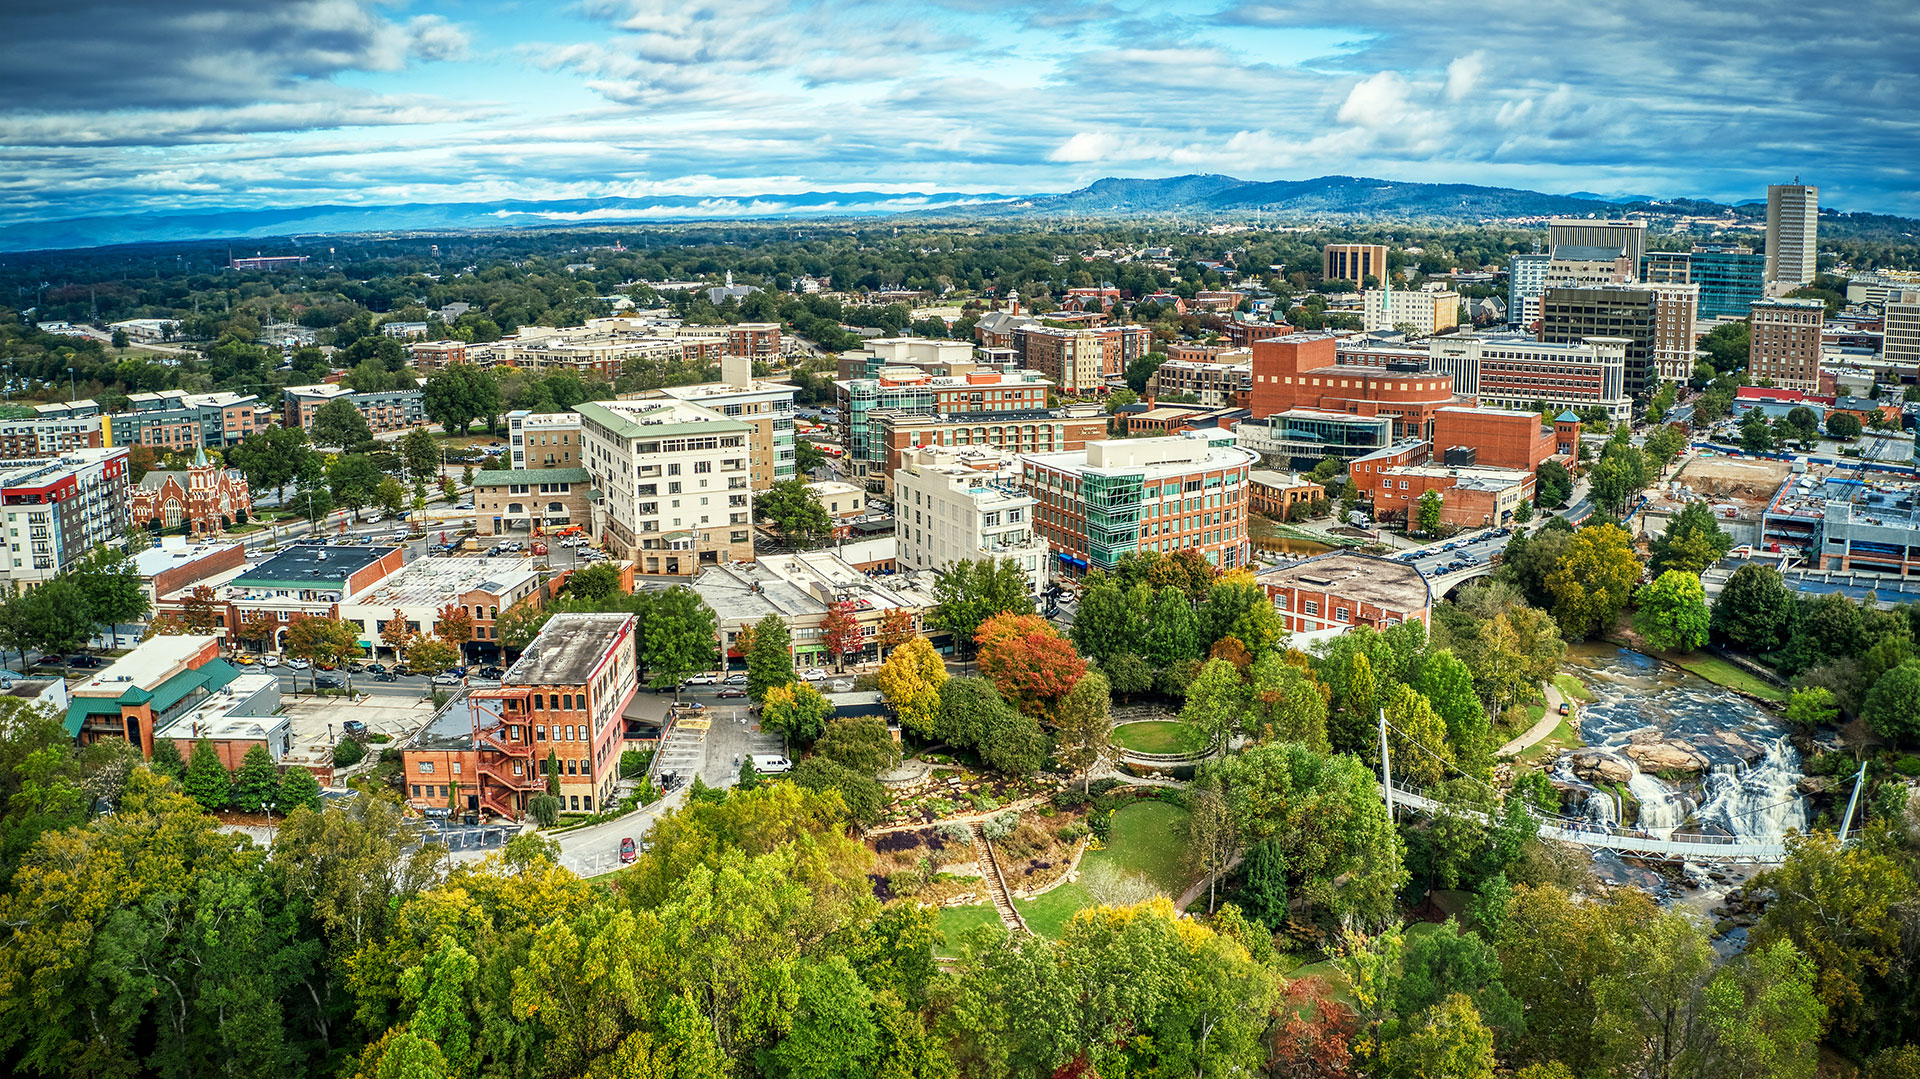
(206, 498)
(1300, 371)
(1492, 438)
(1336, 592)
(760, 340)
(1469, 497)
(1244, 334)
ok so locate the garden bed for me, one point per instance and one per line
(960, 792)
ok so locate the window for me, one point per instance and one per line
(1340, 615)
(1310, 606)
(426, 767)
(456, 767)
(540, 734)
(416, 790)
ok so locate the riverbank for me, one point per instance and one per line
(1266, 530)
(1719, 670)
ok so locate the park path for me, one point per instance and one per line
(997, 885)
(1539, 730)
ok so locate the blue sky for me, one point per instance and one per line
(184, 105)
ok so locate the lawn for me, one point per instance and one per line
(1160, 736)
(1572, 687)
(1723, 673)
(1147, 839)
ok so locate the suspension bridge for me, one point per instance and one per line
(1753, 850)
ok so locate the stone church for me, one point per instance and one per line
(201, 496)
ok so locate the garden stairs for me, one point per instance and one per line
(997, 885)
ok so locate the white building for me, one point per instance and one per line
(1793, 227)
(766, 406)
(1514, 371)
(1902, 342)
(672, 483)
(1526, 283)
(543, 439)
(964, 504)
(1426, 311)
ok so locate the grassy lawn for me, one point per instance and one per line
(1722, 673)
(1147, 839)
(1563, 736)
(1160, 736)
(1572, 687)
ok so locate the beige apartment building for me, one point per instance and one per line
(672, 477)
(1784, 348)
(767, 407)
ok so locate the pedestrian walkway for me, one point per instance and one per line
(683, 751)
(1547, 724)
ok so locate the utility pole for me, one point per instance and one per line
(1386, 773)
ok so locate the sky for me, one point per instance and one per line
(179, 106)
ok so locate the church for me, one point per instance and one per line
(205, 496)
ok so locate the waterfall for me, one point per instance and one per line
(1662, 809)
(1761, 800)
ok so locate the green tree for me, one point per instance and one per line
(796, 512)
(1593, 580)
(679, 638)
(1892, 706)
(1215, 701)
(970, 592)
(166, 760)
(271, 458)
(770, 659)
(1727, 346)
(797, 711)
(338, 424)
(112, 588)
(1101, 628)
(458, 394)
(257, 782)
(208, 782)
(1172, 629)
(1427, 517)
(861, 743)
(1811, 708)
(1843, 426)
(1673, 615)
(390, 497)
(1446, 683)
(354, 481)
(1552, 484)
(1084, 725)
(1285, 703)
(298, 790)
(1448, 1039)
(1754, 610)
(594, 582)
(1691, 542)
(421, 453)
(1236, 606)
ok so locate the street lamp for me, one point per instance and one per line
(269, 806)
(72, 394)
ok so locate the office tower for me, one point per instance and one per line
(1902, 347)
(1675, 307)
(1353, 262)
(1793, 219)
(1785, 345)
(1526, 281)
(1627, 237)
(1571, 315)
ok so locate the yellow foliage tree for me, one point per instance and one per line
(910, 680)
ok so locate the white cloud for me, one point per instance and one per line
(1463, 75)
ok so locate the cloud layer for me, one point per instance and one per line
(110, 106)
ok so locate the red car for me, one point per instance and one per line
(627, 850)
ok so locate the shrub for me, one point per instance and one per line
(1072, 833)
(348, 753)
(379, 739)
(634, 762)
(985, 803)
(1907, 766)
(1071, 798)
(1027, 840)
(1102, 786)
(955, 832)
(906, 882)
(1000, 825)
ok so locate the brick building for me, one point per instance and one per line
(1080, 360)
(1144, 494)
(1491, 438)
(1242, 334)
(177, 687)
(306, 580)
(1335, 592)
(1784, 347)
(1301, 371)
(204, 498)
(1272, 494)
(1469, 497)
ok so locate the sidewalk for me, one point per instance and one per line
(1539, 730)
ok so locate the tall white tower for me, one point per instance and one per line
(1793, 221)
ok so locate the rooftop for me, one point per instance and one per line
(501, 477)
(750, 592)
(1383, 582)
(306, 565)
(438, 581)
(717, 390)
(450, 728)
(146, 665)
(657, 418)
(226, 716)
(568, 650)
(1154, 456)
(1466, 479)
(157, 560)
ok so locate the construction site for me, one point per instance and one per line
(1738, 490)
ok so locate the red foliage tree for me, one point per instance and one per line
(1314, 1040)
(1030, 663)
(842, 631)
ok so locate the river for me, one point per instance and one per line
(1742, 773)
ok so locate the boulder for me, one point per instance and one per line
(1595, 767)
(1666, 756)
(1817, 785)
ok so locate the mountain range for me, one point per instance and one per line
(1323, 198)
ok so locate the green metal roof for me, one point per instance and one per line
(624, 426)
(496, 477)
(213, 676)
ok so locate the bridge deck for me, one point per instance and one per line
(1696, 848)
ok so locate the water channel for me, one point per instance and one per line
(1668, 751)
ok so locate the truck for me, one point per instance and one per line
(1358, 518)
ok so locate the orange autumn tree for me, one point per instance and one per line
(896, 629)
(841, 629)
(454, 625)
(1028, 662)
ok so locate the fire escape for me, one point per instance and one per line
(509, 775)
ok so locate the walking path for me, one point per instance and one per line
(1539, 730)
(997, 886)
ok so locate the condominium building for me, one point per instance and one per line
(1902, 347)
(543, 439)
(1145, 494)
(385, 410)
(559, 705)
(673, 484)
(1515, 371)
(1571, 315)
(1676, 308)
(1063, 429)
(178, 421)
(1784, 343)
(1081, 360)
(1354, 262)
(433, 355)
(1589, 267)
(987, 399)
(1423, 311)
(1730, 277)
(753, 340)
(1526, 284)
(530, 500)
(1224, 379)
(1793, 234)
(960, 505)
(767, 407)
(47, 430)
(59, 509)
(601, 348)
(933, 355)
(1626, 237)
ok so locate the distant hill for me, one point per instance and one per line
(1196, 195)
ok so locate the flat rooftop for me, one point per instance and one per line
(145, 666)
(311, 565)
(439, 580)
(1382, 582)
(658, 417)
(157, 560)
(748, 593)
(219, 715)
(450, 728)
(567, 650)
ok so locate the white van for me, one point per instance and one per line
(771, 764)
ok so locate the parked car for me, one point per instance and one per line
(1566, 709)
(300, 665)
(375, 668)
(736, 679)
(384, 676)
(446, 678)
(328, 681)
(467, 505)
(845, 685)
(245, 659)
(628, 850)
(771, 764)
(355, 728)
(269, 660)
(493, 550)
(399, 669)
(85, 661)
(731, 692)
(702, 680)
(814, 674)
